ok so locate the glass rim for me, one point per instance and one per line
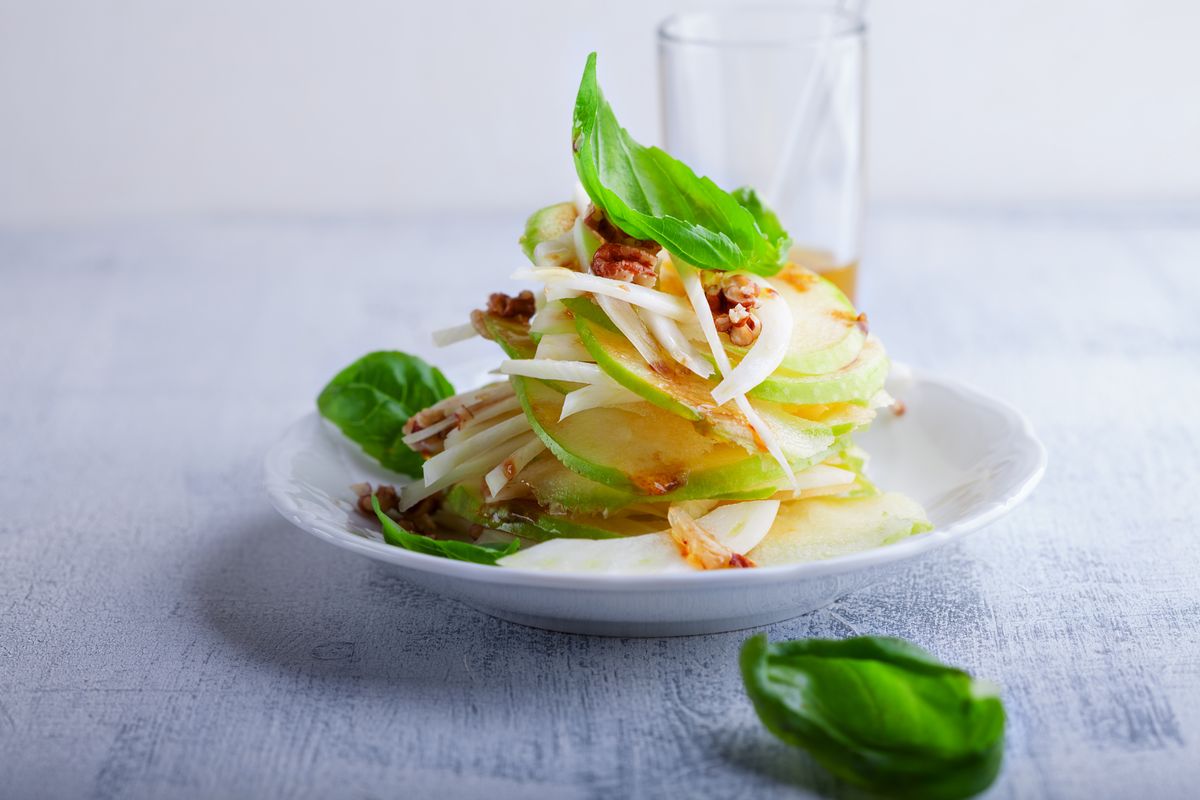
(851, 24)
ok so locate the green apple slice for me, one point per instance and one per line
(858, 381)
(685, 394)
(826, 527)
(525, 518)
(512, 336)
(545, 224)
(826, 335)
(739, 526)
(644, 449)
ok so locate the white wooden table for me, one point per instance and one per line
(164, 634)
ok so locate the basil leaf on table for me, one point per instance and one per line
(650, 195)
(371, 399)
(879, 713)
(396, 536)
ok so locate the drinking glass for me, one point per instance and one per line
(772, 97)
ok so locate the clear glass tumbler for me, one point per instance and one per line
(772, 97)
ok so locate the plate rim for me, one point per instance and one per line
(277, 492)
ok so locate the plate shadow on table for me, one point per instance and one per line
(311, 614)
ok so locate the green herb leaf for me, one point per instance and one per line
(766, 220)
(371, 399)
(650, 195)
(879, 713)
(394, 535)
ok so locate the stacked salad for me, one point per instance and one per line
(674, 396)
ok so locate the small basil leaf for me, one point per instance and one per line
(396, 536)
(650, 195)
(766, 219)
(880, 713)
(371, 399)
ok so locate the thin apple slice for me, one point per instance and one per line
(826, 527)
(826, 334)
(525, 518)
(858, 381)
(680, 391)
(736, 525)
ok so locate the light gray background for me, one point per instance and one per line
(130, 107)
(206, 209)
(163, 634)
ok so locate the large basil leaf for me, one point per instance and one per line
(765, 218)
(650, 195)
(371, 399)
(396, 536)
(879, 713)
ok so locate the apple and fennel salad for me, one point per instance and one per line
(674, 396)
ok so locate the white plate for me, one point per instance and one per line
(968, 458)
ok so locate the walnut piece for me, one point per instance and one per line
(431, 445)
(507, 307)
(623, 262)
(739, 290)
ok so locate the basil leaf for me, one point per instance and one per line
(650, 195)
(371, 399)
(766, 219)
(879, 713)
(396, 536)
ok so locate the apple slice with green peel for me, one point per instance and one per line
(638, 448)
(646, 450)
(675, 389)
(687, 395)
(857, 381)
(826, 335)
(528, 520)
(512, 336)
(545, 224)
(825, 527)
(558, 488)
(739, 525)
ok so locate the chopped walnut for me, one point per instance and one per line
(602, 225)
(699, 547)
(738, 315)
(431, 445)
(739, 290)
(745, 334)
(712, 293)
(624, 262)
(731, 298)
(504, 306)
(744, 326)
(389, 500)
(418, 519)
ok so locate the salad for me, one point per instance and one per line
(673, 396)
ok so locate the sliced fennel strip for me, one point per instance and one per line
(556, 277)
(541, 369)
(562, 347)
(766, 353)
(626, 318)
(468, 446)
(454, 334)
(672, 339)
(415, 492)
(510, 467)
(695, 292)
(599, 395)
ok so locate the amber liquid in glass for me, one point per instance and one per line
(844, 276)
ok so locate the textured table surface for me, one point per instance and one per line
(164, 634)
